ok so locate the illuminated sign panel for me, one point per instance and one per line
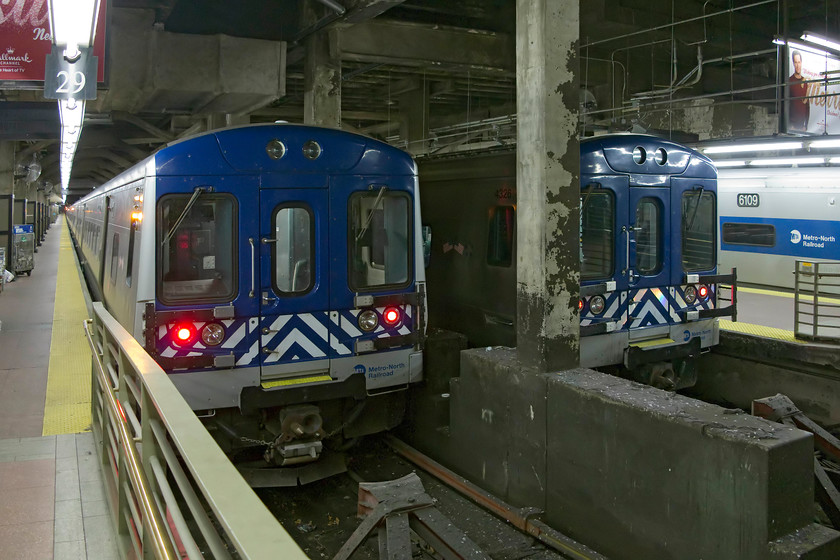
(812, 107)
(25, 40)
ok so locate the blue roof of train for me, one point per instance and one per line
(615, 153)
(243, 150)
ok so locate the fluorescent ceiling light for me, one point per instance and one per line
(834, 161)
(835, 143)
(763, 147)
(802, 47)
(812, 38)
(730, 163)
(788, 161)
(73, 23)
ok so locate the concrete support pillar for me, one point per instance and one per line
(322, 83)
(548, 184)
(7, 184)
(414, 110)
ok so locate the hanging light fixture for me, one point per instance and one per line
(73, 26)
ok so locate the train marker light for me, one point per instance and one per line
(391, 316)
(212, 334)
(580, 305)
(137, 217)
(368, 320)
(704, 292)
(690, 294)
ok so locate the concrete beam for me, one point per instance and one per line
(322, 83)
(142, 125)
(411, 44)
(364, 10)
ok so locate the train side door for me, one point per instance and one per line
(293, 286)
(648, 258)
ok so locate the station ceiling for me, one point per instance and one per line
(638, 62)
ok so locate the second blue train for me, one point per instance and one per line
(650, 291)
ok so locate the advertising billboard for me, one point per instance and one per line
(812, 91)
(25, 40)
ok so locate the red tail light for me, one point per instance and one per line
(703, 292)
(184, 333)
(391, 316)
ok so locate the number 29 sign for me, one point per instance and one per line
(64, 79)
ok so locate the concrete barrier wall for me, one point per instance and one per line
(629, 470)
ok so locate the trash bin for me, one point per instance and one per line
(23, 249)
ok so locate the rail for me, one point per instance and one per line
(817, 301)
(171, 491)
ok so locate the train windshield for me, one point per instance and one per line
(597, 219)
(698, 230)
(196, 256)
(380, 246)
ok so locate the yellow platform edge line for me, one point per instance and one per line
(67, 405)
(759, 330)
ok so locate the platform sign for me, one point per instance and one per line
(67, 79)
(23, 229)
(25, 40)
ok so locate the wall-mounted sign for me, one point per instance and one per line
(25, 40)
(812, 107)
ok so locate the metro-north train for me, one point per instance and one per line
(273, 271)
(650, 291)
(770, 217)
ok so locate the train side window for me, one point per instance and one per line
(294, 252)
(648, 237)
(597, 236)
(115, 258)
(129, 264)
(698, 230)
(500, 236)
(379, 223)
(197, 247)
(759, 235)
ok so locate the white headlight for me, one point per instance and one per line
(368, 320)
(597, 304)
(212, 334)
(690, 294)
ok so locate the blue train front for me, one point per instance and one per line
(649, 288)
(286, 283)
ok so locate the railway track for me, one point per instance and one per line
(322, 516)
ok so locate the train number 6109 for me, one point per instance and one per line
(748, 200)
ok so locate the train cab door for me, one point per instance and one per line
(293, 285)
(647, 261)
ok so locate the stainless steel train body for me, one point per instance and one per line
(648, 266)
(273, 271)
(770, 217)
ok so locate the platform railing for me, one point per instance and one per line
(817, 300)
(172, 492)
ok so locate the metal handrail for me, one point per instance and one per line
(815, 300)
(167, 434)
(151, 517)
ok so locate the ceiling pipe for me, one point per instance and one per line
(333, 5)
(675, 23)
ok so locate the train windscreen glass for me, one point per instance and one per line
(197, 247)
(698, 230)
(379, 223)
(597, 234)
(648, 237)
(294, 254)
(500, 236)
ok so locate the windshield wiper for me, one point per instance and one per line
(370, 214)
(196, 193)
(696, 208)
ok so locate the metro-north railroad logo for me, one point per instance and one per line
(360, 369)
(795, 236)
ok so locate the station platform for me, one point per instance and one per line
(53, 502)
